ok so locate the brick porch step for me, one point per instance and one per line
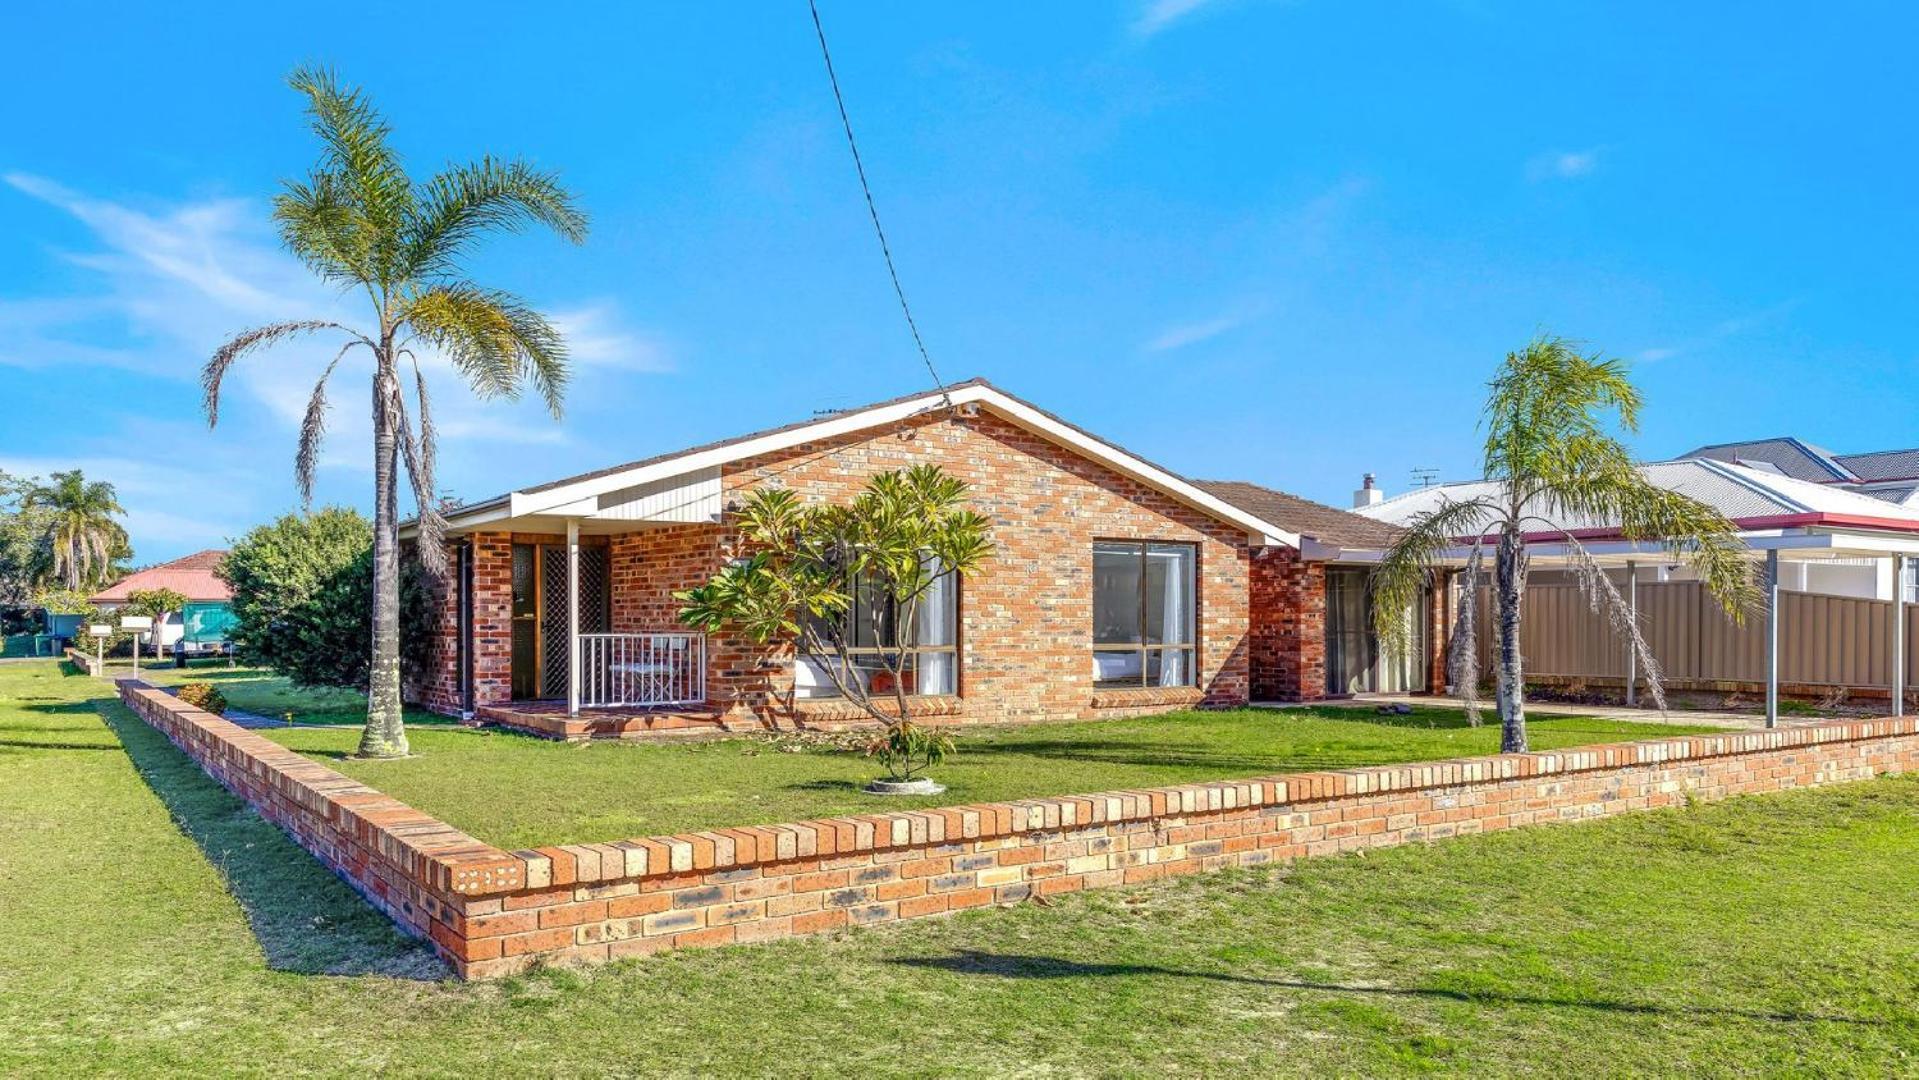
(550, 719)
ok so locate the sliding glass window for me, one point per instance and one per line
(871, 627)
(1143, 614)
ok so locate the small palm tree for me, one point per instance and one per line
(361, 223)
(82, 540)
(1553, 461)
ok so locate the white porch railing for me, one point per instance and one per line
(642, 669)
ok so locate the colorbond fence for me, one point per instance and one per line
(1824, 641)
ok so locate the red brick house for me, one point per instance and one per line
(1116, 587)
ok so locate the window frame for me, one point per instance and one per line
(828, 692)
(1142, 648)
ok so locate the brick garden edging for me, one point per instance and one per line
(84, 661)
(489, 912)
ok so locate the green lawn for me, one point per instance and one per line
(517, 791)
(155, 926)
(260, 691)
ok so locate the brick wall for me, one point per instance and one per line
(491, 913)
(1026, 618)
(403, 861)
(1288, 637)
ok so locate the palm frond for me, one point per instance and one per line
(1602, 597)
(495, 339)
(313, 429)
(323, 229)
(371, 178)
(421, 453)
(1408, 565)
(247, 341)
(486, 195)
(1462, 646)
(1694, 533)
(1547, 397)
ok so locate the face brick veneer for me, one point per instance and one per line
(490, 912)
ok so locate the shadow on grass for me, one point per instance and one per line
(36, 744)
(840, 786)
(307, 921)
(1215, 763)
(1026, 966)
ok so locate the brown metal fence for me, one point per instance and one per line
(1823, 640)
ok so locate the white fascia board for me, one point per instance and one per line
(773, 442)
(461, 523)
(1313, 550)
(584, 491)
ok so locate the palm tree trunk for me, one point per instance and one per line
(385, 735)
(1510, 586)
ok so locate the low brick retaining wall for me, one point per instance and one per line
(84, 661)
(489, 912)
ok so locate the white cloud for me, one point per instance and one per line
(178, 503)
(175, 282)
(595, 336)
(1157, 15)
(1562, 165)
(1721, 331)
(1184, 334)
(164, 284)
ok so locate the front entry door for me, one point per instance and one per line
(540, 641)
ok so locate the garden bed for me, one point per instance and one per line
(517, 791)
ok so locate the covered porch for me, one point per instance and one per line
(1859, 645)
(566, 617)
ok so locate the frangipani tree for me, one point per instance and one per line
(1553, 459)
(893, 542)
(361, 223)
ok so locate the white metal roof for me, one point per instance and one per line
(1748, 496)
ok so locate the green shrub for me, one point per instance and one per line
(204, 696)
(302, 599)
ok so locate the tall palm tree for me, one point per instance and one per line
(82, 539)
(1553, 461)
(361, 223)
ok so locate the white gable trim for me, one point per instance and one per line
(570, 497)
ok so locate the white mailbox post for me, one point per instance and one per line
(139, 625)
(101, 632)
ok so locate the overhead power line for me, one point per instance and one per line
(872, 210)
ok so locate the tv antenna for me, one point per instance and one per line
(1425, 478)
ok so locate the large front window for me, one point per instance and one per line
(1143, 604)
(873, 630)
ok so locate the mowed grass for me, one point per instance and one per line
(263, 693)
(517, 791)
(154, 926)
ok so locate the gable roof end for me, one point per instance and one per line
(578, 495)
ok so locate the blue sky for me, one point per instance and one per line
(1284, 242)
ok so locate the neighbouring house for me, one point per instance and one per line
(203, 625)
(1841, 560)
(1117, 586)
(1889, 475)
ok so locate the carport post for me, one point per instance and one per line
(1898, 635)
(572, 616)
(1632, 654)
(1772, 638)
